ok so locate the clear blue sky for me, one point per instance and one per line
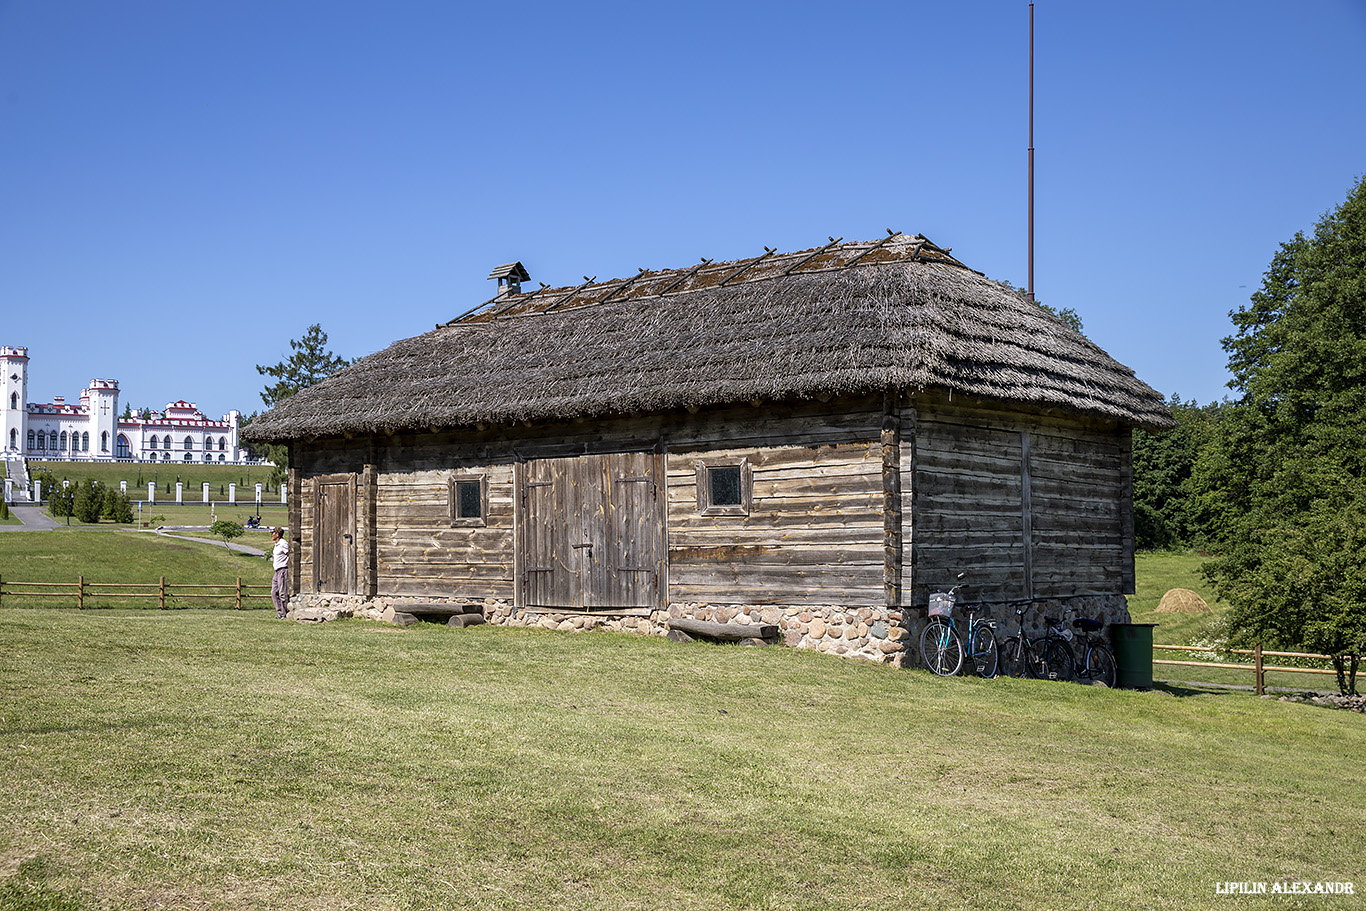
(185, 186)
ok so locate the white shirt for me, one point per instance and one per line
(280, 555)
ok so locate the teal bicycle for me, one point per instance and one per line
(944, 650)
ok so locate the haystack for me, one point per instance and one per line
(1182, 601)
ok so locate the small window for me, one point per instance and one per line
(468, 500)
(724, 487)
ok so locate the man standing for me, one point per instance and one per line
(279, 586)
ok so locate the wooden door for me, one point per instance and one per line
(334, 532)
(592, 532)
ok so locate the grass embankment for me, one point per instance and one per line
(222, 760)
(122, 556)
(192, 475)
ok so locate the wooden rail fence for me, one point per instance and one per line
(1258, 667)
(160, 591)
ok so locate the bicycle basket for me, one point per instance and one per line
(941, 604)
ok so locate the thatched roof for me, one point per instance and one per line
(844, 319)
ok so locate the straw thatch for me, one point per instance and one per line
(846, 319)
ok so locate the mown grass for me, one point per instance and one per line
(222, 760)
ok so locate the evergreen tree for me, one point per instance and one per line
(89, 503)
(310, 363)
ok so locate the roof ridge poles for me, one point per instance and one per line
(768, 251)
(684, 277)
(806, 259)
(890, 234)
(586, 282)
(625, 283)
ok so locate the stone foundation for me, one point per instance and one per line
(872, 634)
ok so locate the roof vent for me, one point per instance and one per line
(510, 277)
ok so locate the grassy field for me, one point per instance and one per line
(1156, 573)
(223, 760)
(111, 555)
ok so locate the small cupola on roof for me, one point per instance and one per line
(510, 277)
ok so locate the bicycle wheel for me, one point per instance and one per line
(1100, 666)
(1054, 661)
(1015, 657)
(941, 648)
(984, 652)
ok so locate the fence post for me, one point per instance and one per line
(1261, 674)
(80, 592)
(163, 592)
(239, 592)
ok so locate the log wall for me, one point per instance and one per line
(1026, 505)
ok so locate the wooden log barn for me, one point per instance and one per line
(811, 441)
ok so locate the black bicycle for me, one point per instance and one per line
(1048, 657)
(1096, 663)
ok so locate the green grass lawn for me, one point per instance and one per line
(222, 760)
(119, 555)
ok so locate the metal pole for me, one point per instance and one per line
(1031, 151)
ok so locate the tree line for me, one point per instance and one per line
(1273, 480)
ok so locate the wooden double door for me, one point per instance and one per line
(591, 531)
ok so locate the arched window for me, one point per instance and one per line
(165, 457)
(62, 447)
(104, 441)
(207, 443)
(121, 447)
(52, 439)
(14, 439)
(189, 457)
(30, 441)
(189, 442)
(14, 400)
(222, 445)
(152, 443)
(221, 457)
(85, 442)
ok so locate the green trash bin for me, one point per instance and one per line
(1133, 645)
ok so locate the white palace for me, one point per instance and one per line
(93, 431)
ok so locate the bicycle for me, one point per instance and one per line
(1016, 651)
(941, 646)
(1047, 658)
(1097, 662)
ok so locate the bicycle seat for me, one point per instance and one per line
(1052, 621)
(1087, 625)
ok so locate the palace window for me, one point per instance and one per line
(85, 441)
(121, 447)
(724, 487)
(189, 442)
(14, 400)
(104, 441)
(62, 446)
(222, 445)
(30, 442)
(52, 439)
(152, 443)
